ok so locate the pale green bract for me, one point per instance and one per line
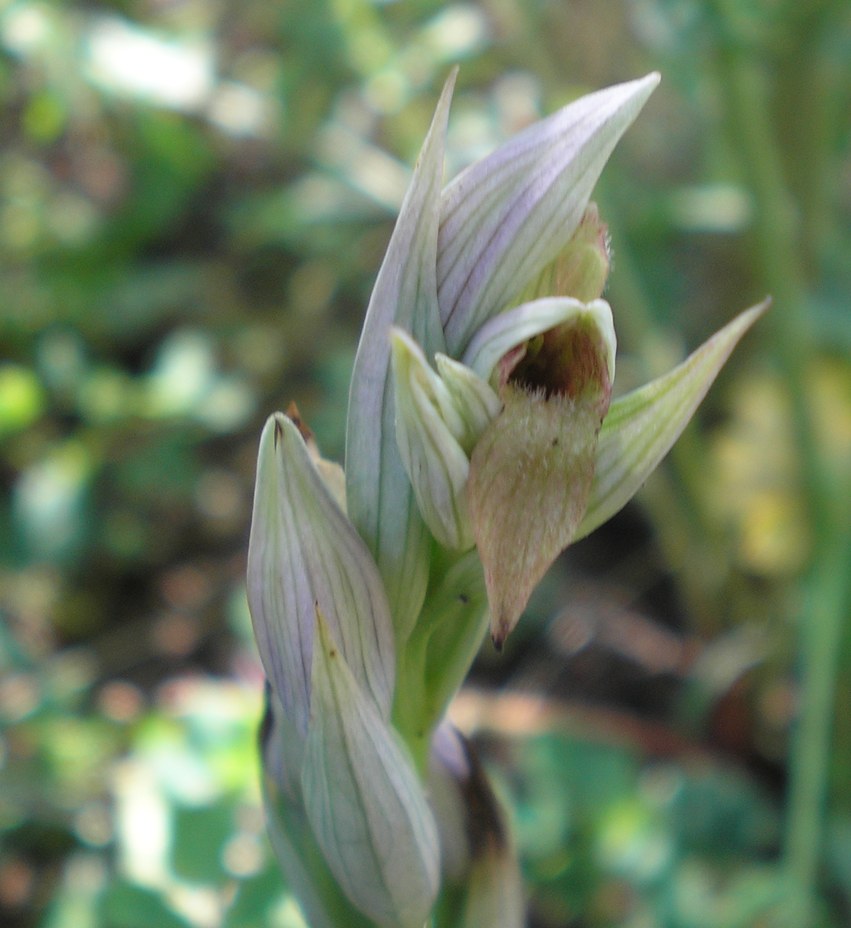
(482, 439)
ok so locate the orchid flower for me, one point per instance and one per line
(482, 440)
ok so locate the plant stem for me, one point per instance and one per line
(779, 253)
(408, 712)
(828, 598)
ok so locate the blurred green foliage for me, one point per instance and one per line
(194, 200)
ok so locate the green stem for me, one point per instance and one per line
(828, 598)
(408, 707)
(437, 656)
(779, 252)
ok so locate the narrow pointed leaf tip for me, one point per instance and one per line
(641, 426)
(508, 216)
(364, 800)
(303, 551)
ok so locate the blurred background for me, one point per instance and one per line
(195, 196)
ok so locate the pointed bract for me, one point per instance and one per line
(506, 217)
(303, 551)
(299, 856)
(364, 799)
(641, 427)
(476, 848)
(380, 501)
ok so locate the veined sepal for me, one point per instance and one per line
(475, 400)
(380, 500)
(364, 800)
(506, 217)
(303, 551)
(324, 904)
(437, 424)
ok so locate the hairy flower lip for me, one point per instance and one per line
(536, 459)
(565, 361)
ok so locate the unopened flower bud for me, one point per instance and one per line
(580, 270)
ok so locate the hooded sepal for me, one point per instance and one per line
(641, 426)
(364, 800)
(303, 551)
(508, 216)
(380, 501)
(500, 338)
(531, 472)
